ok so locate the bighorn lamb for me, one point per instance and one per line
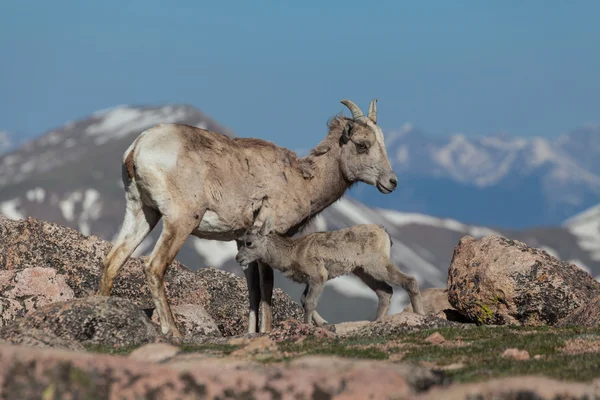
(363, 250)
(216, 187)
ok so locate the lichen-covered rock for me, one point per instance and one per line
(25, 290)
(9, 310)
(400, 323)
(228, 301)
(499, 281)
(586, 315)
(97, 321)
(34, 243)
(15, 334)
(293, 330)
(155, 352)
(192, 320)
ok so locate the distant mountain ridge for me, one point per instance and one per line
(485, 180)
(9, 141)
(72, 175)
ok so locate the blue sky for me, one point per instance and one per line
(278, 70)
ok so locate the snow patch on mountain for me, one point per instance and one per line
(586, 227)
(91, 208)
(38, 195)
(401, 218)
(214, 252)
(121, 121)
(67, 205)
(10, 209)
(6, 142)
(50, 139)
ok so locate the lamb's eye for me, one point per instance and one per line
(248, 244)
(362, 148)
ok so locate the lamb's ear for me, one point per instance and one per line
(346, 133)
(267, 226)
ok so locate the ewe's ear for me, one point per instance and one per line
(346, 133)
(267, 226)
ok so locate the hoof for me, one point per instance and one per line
(174, 337)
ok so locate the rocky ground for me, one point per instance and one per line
(513, 323)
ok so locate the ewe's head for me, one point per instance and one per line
(254, 244)
(364, 157)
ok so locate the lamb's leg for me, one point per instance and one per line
(408, 283)
(267, 281)
(314, 290)
(174, 234)
(138, 222)
(383, 291)
(318, 320)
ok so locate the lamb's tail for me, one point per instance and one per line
(388, 234)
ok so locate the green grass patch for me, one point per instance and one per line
(352, 348)
(483, 347)
(122, 351)
(477, 349)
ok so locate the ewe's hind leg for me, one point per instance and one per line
(267, 281)
(408, 283)
(318, 320)
(382, 290)
(253, 283)
(138, 222)
(172, 238)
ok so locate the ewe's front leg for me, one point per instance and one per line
(267, 281)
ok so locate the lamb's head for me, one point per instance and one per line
(364, 157)
(254, 244)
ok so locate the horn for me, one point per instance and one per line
(356, 113)
(373, 111)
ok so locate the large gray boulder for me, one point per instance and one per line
(499, 281)
(92, 321)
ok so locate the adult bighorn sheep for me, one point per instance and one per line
(216, 187)
(363, 250)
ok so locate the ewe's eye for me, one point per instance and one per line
(361, 148)
(248, 244)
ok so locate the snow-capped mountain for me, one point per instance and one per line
(71, 175)
(485, 179)
(586, 228)
(9, 141)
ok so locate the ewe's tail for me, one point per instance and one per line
(128, 160)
